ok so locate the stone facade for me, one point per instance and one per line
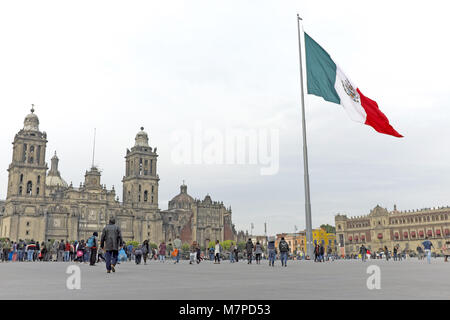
(197, 220)
(406, 229)
(40, 205)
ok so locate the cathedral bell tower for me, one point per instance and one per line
(140, 183)
(27, 171)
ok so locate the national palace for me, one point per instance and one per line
(40, 205)
(380, 228)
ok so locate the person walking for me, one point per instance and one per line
(66, 257)
(427, 246)
(249, 248)
(217, 252)
(162, 252)
(92, 244)
(6, 250)
(30, 250)
(272, 251)
(316, 252)
(138, 254)
(283, 246)
(236, 253)
(211, 253)
(444, 249)
(363, 252)
(419, 252)
(232, 253)
(145, 250)
(111, 241)
(386, 253)
(177, 246)
(321, 253)
(193, 253)
(258, 252)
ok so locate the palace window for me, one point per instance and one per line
(39, 179)
(20, 190)
(152, 199)
(21, 178)
(37, 190)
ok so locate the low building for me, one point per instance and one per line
(297, 241)
(405, 229)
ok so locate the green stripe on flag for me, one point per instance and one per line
(320, 71)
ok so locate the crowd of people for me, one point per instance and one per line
(396, 254)
(111, 249)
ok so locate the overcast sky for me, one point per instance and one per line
(116, 66)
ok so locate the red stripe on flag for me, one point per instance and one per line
(375, 118)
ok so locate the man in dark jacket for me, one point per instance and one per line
(283, 246)
(249, 248)
(111, 242)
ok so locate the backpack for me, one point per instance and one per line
(90, 242)
(284, 246)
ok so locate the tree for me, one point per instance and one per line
(135, 244)
(153, 245)
(241, 246)
(185, 247)
(328, 228)
(226, 245)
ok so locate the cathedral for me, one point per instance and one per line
(40, 205)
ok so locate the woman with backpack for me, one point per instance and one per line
(92, 245)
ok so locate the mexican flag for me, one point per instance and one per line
(325, 79)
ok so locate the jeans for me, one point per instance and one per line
(30, 255)
(428, 253)
(217, 258)
(231, 257)
(283, 258)
(272, 256)
(162, 257)
(111, 258)
(66, 256)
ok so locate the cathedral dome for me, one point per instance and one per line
(55, 181)
(31, 122)
(53, 177)
(182, 200)
(141, 138)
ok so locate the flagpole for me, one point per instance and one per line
(309, 247)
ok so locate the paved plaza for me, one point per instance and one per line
(410, 279)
